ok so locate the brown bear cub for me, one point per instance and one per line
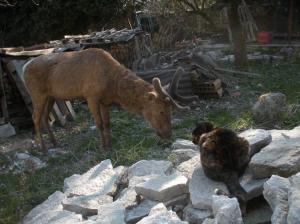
(224, 156)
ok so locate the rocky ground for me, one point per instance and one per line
(177, 191)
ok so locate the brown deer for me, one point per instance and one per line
(94, 75)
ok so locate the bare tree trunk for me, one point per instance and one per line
(239, 43)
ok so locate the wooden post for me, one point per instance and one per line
(290, 20)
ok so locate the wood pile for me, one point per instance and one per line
(188, 74)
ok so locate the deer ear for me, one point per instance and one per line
(150, 96)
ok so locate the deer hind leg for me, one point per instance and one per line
(106, 126)
(94, 107)
(48, 107)
(38, 109)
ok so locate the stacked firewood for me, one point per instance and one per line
(187, 74)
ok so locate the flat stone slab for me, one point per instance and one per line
(184, 144)
(86, 205)
(101, 179)
(253, 187)
(149, 167)
(195, 216)
(226, 210)
(160, 215)
(202, 189)
(257, 138)
(280, 158)
(276, 193)
(136, 213)
(53, 203)
(163, 188)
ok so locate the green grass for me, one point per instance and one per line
(134, 140)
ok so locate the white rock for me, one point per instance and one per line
(113, 213)
(178, 156)
(187, 168)
(160, 215)
(202, 188)
(121, 172)
(269, 107)
(56, 217)
(163, 188)
(149, 167)
(276, 194)
(138, 212)
(294, 200)
(280, 157)
(128, 195)
(53, 203)
(86, 205)
(27, 162)
(253, 187)
(101, 179)
(7, 130)
(209, 221)
(184, 144)
(195, 216)
(226, 210)
(257, 138)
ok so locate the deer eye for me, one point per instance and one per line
(161, 112)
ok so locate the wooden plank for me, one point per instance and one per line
(3, 95)
(20, 85)
(30, 53)
(58, 114)
(70, 108)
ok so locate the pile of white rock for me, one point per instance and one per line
(177, 191)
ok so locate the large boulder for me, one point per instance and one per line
(280, 157)
(276, 193)
(269, 108)
(257, 138)
(226, 210)
(202, 189)
(163, 188)
(101, 179)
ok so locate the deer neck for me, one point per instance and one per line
(130, 91)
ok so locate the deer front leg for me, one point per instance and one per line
(106, 125)
(94, 107)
